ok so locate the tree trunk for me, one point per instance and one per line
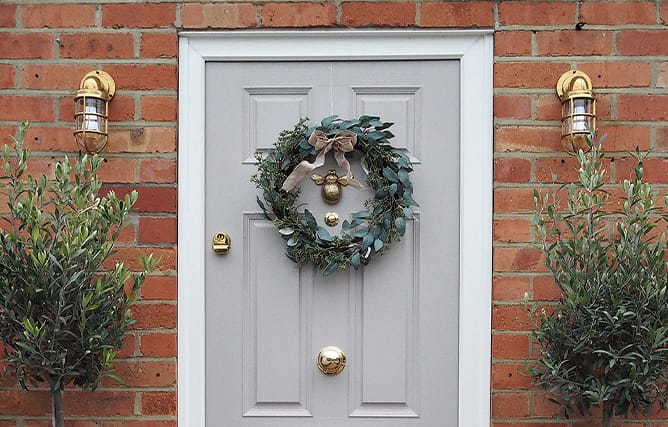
(607, 419)
(58, 414)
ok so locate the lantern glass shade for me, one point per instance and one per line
(90, 120)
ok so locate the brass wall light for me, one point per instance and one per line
(91, 110)
(578, 109)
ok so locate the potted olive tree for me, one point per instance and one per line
(62, 315)
(605, 344)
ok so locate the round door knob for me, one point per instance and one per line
(331, 360)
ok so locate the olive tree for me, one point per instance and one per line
(62, 314)
(604, 345)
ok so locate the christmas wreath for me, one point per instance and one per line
(370, 231)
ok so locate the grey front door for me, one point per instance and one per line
(396, 320)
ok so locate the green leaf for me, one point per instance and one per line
(286, 231)
(327, 121)
(400, 223)
(331, 268)
(377, 245)
(310, 220)
(390, 174)
(355, 260)
(323, 234)
(408, 212)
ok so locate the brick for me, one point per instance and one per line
(618, 12)
(26, 46)
(54, 76)
(542, 407)
(572, 42)
(158, 76)
(507, 376)
(7, 15)
(528, 74)
(625, 138)
(544, 289)
(359, 14)
(18, 402)
(158, 108)
(97, 45)
(510, 346)
(642, 107)
(58, 15)
(510, 405)
(509, 288)
(513, 200)
(662, 74)
(144, 374)
(157, 170)
(662, 138)
(159, 288)
(158, 403)
(129, 256)
(7, 76)
(663, 13)
(460, 14)
(511, 318)
(298, 15)
(122, 107)
(509, 43)
(223, 15)
(157, 230)
(158, 345)
(654, 170)
(152, 316)
(151, 199)
(32, 108)
(518, 259)
(564, 169)
(99, 403)
(142, 140)
(512, 170)
(50, 138)
(512, 230)
(618, 74)
(528, 138)
(642, 43)
(138, 15)
(117, 170)
(128, 347)
(158, 45)
(536, 13)
(512, 106)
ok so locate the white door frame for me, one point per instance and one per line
(474, 51)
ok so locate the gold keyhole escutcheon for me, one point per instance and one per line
(221, 243)
(331, 360)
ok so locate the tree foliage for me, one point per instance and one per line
(604, 345)
(62, 315)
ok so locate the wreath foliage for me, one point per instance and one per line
(371, 230)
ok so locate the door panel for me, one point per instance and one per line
(396, 320)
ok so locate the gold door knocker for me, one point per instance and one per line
(331, 186)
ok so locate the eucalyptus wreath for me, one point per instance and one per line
(371, 230)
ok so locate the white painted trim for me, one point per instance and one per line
(474, 50)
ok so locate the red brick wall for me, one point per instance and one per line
(47, 46)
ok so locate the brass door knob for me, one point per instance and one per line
(331, 360)
(221, 243)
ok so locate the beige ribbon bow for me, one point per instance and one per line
(342, 143)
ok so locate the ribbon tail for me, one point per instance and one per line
(340, 157)
(301, 170)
